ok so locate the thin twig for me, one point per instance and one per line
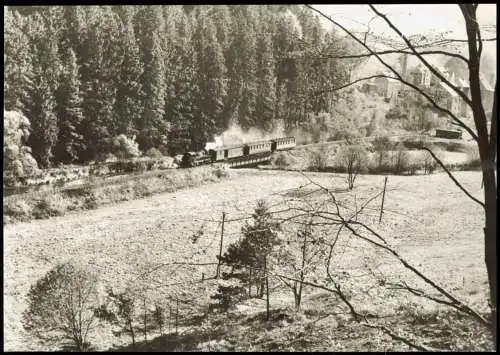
(452, 177)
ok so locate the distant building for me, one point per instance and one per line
(487, 92)
(414, 72)
(388, 87)
(369, 87)
(447, 97)
(465, 109)
(441, 70)
(420, 76)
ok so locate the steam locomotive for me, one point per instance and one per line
(238, 154)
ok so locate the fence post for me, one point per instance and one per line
(383, 198)
(177, 317)
(221, 243)
(145, 322)
(170, 320)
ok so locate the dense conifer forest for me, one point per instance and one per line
(170, 76)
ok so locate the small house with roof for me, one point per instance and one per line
(420, 76)
(463, 85)
(447, 97)
(388, 87)
(487, 92)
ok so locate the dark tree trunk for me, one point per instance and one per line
(487, 150)
(132, 333)
(250, 283)
(145, 322)
(490, 238)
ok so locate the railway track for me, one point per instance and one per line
(365, 139)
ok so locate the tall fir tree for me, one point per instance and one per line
(153, 128)
(16, 56)
(242, 66)
(221, 17)
(289, 69)
(211, 78)
(39, 102)
(266, 84)
(129, 95)
(70, 143)
(100, 72)
(73, 27)
(180, 106)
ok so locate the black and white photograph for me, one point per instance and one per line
(250, 178)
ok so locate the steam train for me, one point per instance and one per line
(238, 154)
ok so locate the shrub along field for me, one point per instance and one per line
(381, 156)
(428, 220)
(50, 200)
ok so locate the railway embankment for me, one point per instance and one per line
(50, 201)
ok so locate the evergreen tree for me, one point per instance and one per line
(266, 83)
(16, 58)
(129, 95)
(242, 69)
(248, 256)
(39, 103)
(101, 70)
(221, 16)
(73, 27)
(181, 103)
(211, 84)
(153, 128)
(285, 38)
(69, 111)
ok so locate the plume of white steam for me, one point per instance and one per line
(236, 135)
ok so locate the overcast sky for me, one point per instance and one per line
(410, 18)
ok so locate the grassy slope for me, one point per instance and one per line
(427, 217)
(94, 192)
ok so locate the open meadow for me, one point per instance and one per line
(426, 218)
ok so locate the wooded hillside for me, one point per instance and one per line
(172, 76)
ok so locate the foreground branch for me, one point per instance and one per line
(452, 177)
(422, 59)
(400, 338)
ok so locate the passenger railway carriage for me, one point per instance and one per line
(449, 133)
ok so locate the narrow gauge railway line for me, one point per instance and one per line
(249, 160)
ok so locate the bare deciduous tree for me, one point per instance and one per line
(61, 306)
(353, 159)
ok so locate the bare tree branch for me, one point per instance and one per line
(445, 41)
(452, 177)
(457, 302)
(421, 293)
(394, 51)
(422, 59)
(400, 338)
